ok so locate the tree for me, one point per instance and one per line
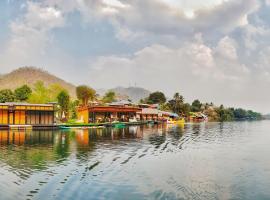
(63, 99)
(240, 113)
(186, 109)
(6, 96)
(177, 103)
(23, 93)
(225, 114)
(72, 107)
(85, 93)
(43, 94)
(109, 97)
(156, 98)
(196, 106)
(40, 93)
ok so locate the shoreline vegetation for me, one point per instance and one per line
(66, 108)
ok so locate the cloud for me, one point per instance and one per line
(212, 51)
(159, 18)
(171, 69)
(30, 35)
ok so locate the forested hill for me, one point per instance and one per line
(29, 76)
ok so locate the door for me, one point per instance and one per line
(11, 118)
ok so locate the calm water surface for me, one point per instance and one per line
(199, 161)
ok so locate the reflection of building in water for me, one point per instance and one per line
(20, 137)
(82, 137)
(12, 137)
(85, 136)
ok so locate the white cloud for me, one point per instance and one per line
(158, 66)
(30, 36)
(212, 49)
(159, 18)
(227, 48)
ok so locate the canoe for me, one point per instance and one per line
(179, 121)
(118, 124)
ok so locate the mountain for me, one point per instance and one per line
(133, 93)
(29, 76)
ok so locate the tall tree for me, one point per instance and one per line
(40, 93)
(85, 93)
(6, 96)
(156, 98)
(43, 94)
(109, 97)
(196, 106)
(72, 107)
(63, 99)
(23, 93)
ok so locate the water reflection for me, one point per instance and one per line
(198, 161)
(40, 147)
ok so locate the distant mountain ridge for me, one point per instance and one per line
(29, 76)
(133, 93)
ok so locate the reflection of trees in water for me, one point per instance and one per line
(175, 134)
(25, 150)
(157, 140)
(159, 134)
(62, 143)
(29, 149)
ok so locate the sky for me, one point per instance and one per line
(213, 50)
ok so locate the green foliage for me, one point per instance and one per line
(40, 93)
(225, 114)
(177, 103)
(165, 107)
(186, 109)
(72, 107)
(43, 94)
(156, 98)
(109, 97)
(241, 114)
(6, 96)
(63, 100)
(196, 106)
(23, 93)
(85, 93)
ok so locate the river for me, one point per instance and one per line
(198, 161)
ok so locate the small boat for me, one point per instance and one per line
(118, 124)
(176, 121)
(64, 127)
(180, 121)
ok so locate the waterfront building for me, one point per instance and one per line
(21, 114)
(153, 114)
(100, 114)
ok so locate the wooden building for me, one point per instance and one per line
(99, 114)
(153, 114)
(37, 115)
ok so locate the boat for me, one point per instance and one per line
(118, 124)
(176, 121)
(64, 127)
(198, 117)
